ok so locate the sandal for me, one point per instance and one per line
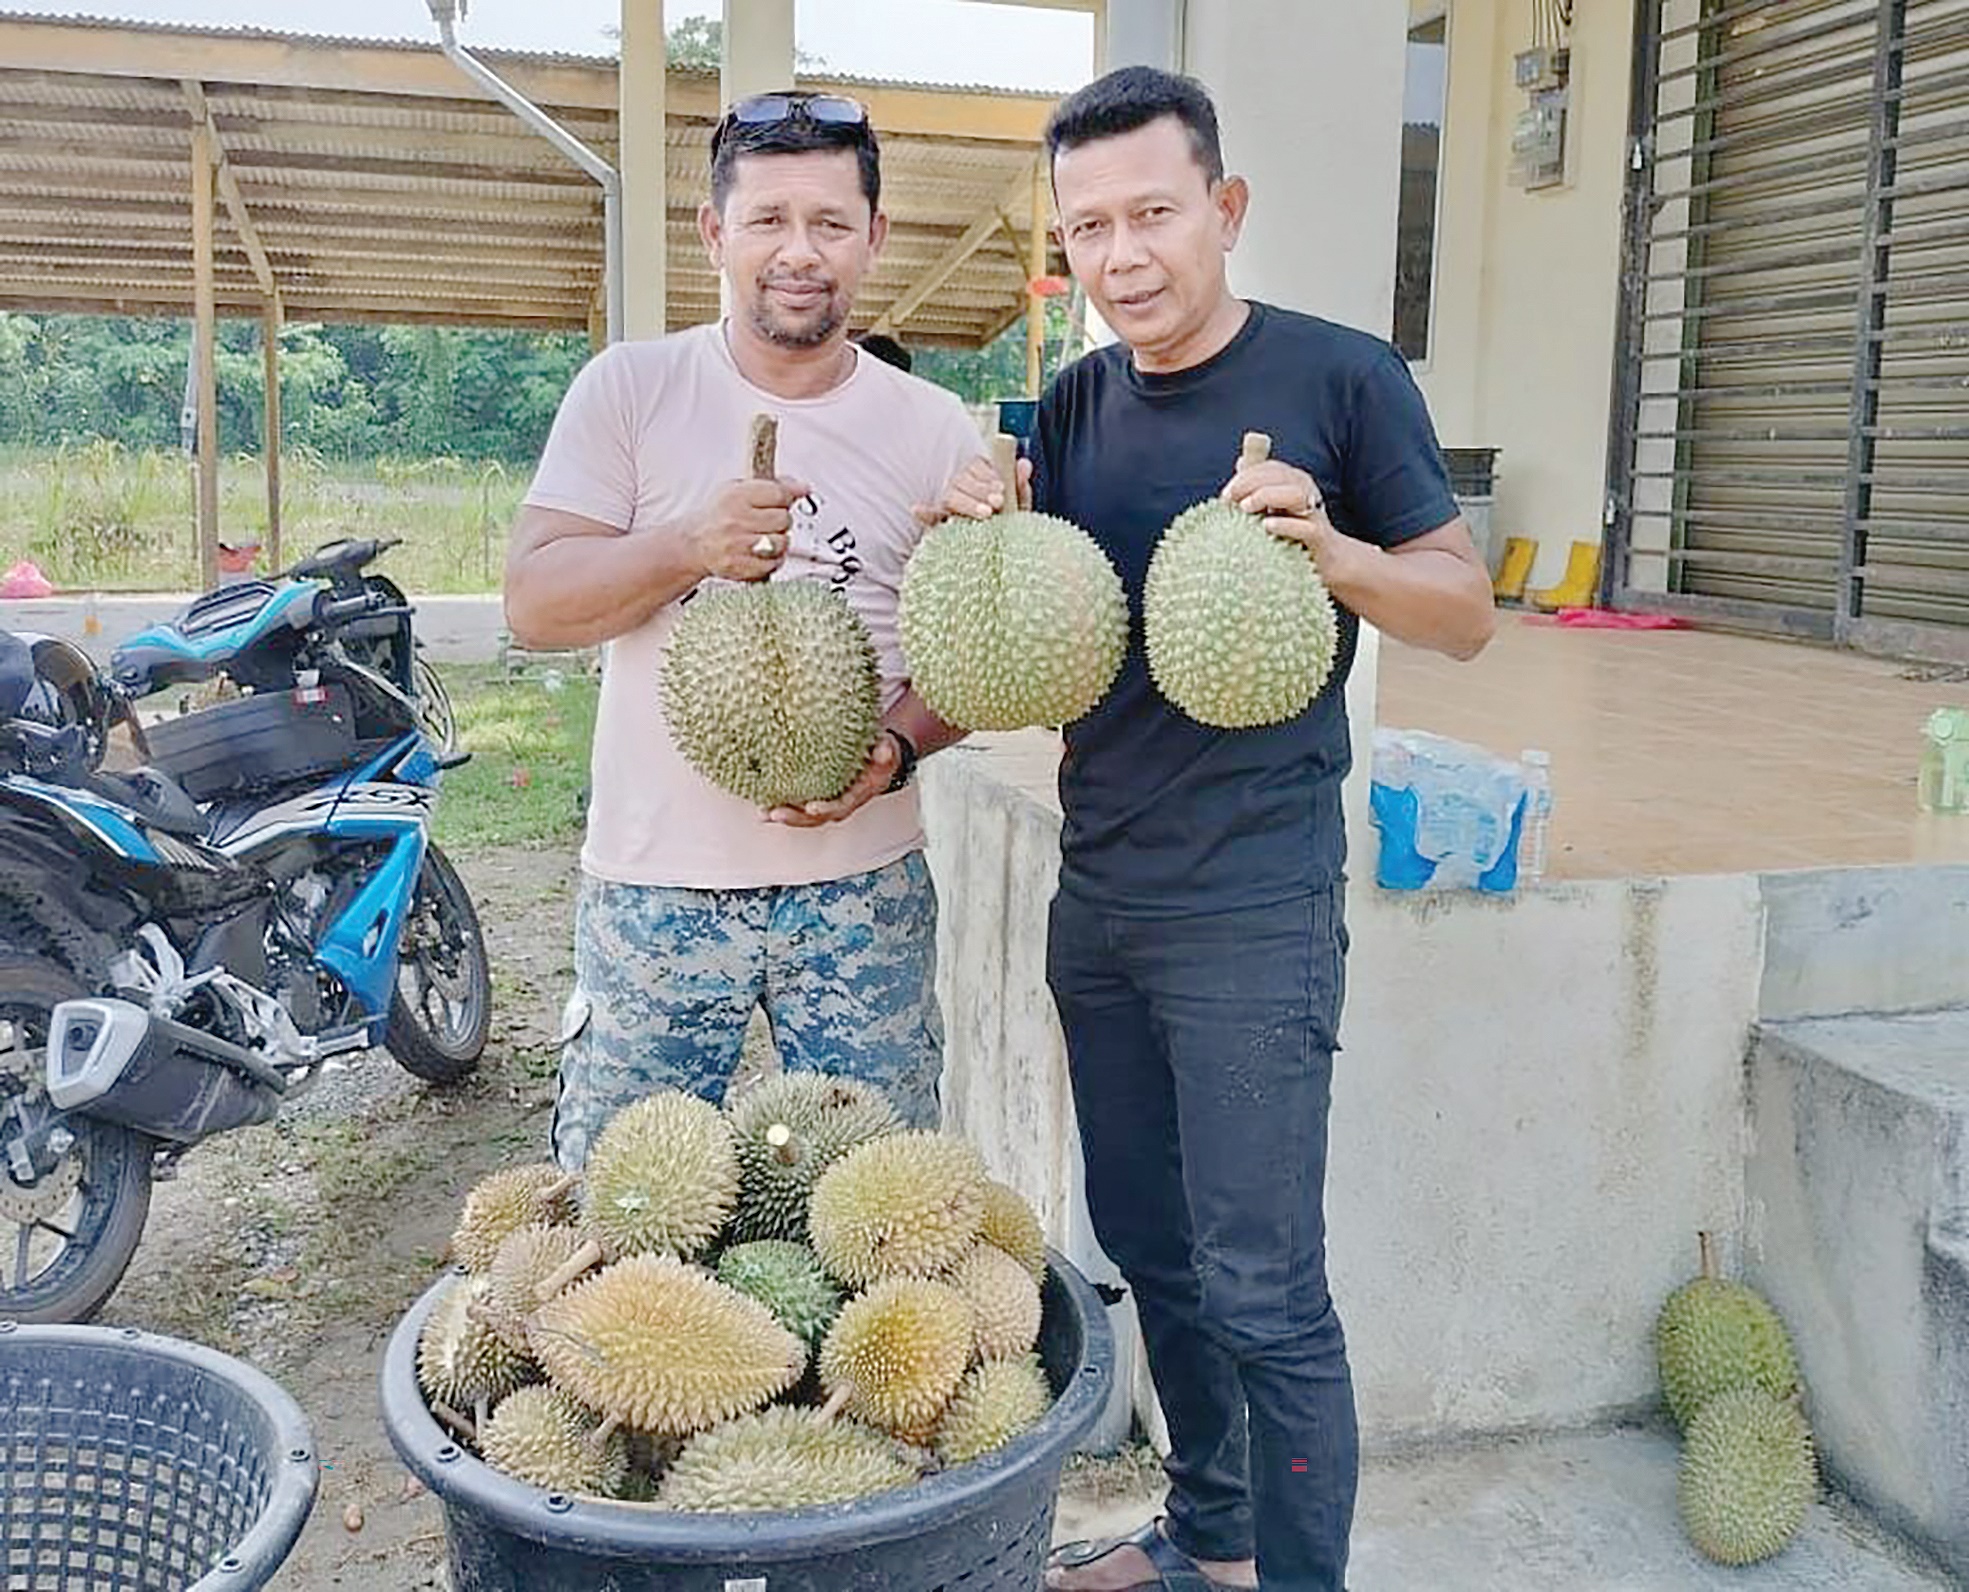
(1175, 1571)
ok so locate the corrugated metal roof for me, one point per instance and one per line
(424, 201)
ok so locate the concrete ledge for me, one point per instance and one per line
(1866, 940)
(1858, 1195)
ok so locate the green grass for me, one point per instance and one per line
(529, 747)
(97, 516)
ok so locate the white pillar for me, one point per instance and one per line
(758, 48)
(1313, 120)
(645, 196)
(1142, 33)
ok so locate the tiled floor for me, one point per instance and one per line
(1684, 751)
(1673, 751)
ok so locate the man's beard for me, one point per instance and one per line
(808, 334)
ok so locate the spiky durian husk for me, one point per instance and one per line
(460, 1359)
(1747, 1475)
(662, 1178)
(788, 1280)
(526, 1259)
(664, 1347)
(771, 690)
(997, 1400)
(825, 1117)
(1712, 1335)
(908, 1205)
(783, 1458)
(1004, 1302)
(502, 1203)
(1237, 624)
(901, 1349)
(1009, 1223)
(1012, 621)
(540, 1435)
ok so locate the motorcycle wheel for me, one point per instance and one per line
(441, 1010)
(67, 1239)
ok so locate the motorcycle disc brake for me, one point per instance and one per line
(49, 1197)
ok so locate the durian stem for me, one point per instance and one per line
(1256, 450)
(764, 444)
(837, 1401)
(460, 1427)
(1707, 1243)
(779, 1138)
(1005, 460)
(598, 1438)
(587, 1256)
(482, 1412)
(557, 1188)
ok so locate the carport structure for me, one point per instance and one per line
(160, 170)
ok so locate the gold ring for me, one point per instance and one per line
(765, 547)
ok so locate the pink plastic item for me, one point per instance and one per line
(1607, 619)
(25, 580)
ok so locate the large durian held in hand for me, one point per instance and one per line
(1713, 1335)
(1012, 621)
(770, 687)
(1237, 624)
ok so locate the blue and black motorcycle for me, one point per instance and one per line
(186, 943)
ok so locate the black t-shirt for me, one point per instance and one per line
(1166, 816)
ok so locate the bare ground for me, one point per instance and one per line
(298, 1245)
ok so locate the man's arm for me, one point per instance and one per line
(572, 581)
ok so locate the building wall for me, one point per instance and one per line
(1527, 283)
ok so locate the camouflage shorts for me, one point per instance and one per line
(666, 980)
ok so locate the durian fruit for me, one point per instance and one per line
(663, 1347)
(661, 1178)
(1004, 1301)
(461, 1361)
(770, 687)
(907, 1205)
(997, 1400)
(1747, 1475)
(518, 1274)
(897, 1352)
(786, 1279)
(783, 1458)
(540, 1435)
(1012, 621)
(1237, 624)
(1713, 1335)
(790, 1128)
(505, 1201)
(1009, 1223)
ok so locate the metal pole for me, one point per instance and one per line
(270, 352)
(205, 309)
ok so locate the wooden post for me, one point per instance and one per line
(1035, 269)
(270, 350)
(204, 163)
(643, 79)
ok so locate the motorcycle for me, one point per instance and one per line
(188, 943)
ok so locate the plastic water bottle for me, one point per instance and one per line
(1535, 834)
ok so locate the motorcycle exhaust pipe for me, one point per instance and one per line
(113, 1059)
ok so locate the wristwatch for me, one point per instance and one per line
(905, 760)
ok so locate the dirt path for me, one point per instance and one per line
(298, 1245)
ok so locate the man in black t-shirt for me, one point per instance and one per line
(1196, 948)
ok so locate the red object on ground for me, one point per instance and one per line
(1607, 619)
(26, 580)
(237, 560)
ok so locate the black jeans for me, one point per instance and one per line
(1201, 1050)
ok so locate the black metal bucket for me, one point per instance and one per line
(131, 1462)
(983, 1527)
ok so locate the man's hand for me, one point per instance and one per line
(1289, 501)
(743, 533)
(976, 493)
(873, 780)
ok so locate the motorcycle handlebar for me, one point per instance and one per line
(332, 611)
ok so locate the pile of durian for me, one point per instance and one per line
(1748, 1472)
(791, 1300)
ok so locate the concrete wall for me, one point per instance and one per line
(1520, 1161)
(1526, 284)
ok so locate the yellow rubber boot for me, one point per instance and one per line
(1514, 569)
(1578, 587)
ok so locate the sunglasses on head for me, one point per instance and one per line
(769, 110)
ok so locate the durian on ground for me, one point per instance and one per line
(1712, 1335)
(1748, 1475)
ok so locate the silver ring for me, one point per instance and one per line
(765, 546)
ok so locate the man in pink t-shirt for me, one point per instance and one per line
(696, 907)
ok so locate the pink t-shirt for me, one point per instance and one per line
(647, 434)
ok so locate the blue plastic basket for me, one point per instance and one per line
(981, 1527)
(131, 1462)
